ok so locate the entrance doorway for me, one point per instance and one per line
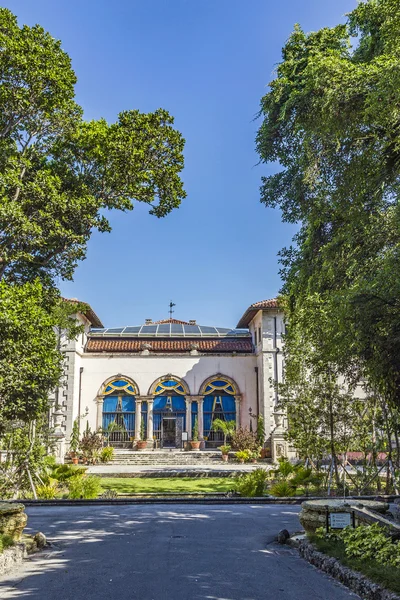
(168, 432)
(171, 432)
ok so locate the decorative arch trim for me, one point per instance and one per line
(208, 386)
(181, 388)
(117, 384)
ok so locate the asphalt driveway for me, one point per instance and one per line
(167, 552)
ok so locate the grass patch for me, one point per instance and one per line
(5, 542)
(387, 576)
(154, 485)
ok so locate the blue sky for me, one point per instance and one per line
(208, 62)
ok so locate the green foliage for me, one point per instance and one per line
(251, 484)
(366, 542)
(387, 576)
(228, 428)
(142, 429)
(6, 541)
(243, 455)
(107, 454)
(25, 446)
(30, 364)
(64, 472)
(60, 173)
(282, 489)
(47, 491)
(284, 469)
(244, 439)
(225, 449)
(260, 431)
(195, 432)
(330, 119)
(86, 486)
(74, 441)
(91, 444)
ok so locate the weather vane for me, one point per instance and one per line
(171, 305)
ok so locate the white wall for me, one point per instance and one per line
(144, 370)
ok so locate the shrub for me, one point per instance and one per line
(243, 439)
(225, 449)
(107, 454)
(83, 486)
(243, 455)
(64, 472)
(371, 542)
(47, 491)
(91, 444)
(282, 489)
(251, 484)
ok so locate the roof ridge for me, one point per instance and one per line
(175, 321)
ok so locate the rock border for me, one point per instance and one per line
(11, 557)
(355, 581)
(14, 555)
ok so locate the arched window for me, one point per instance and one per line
(119, 411)
(219, 403)
(169, 411)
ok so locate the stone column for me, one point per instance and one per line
(138, 418)
(279, 446)
(99, 416)
(189, 417)
(200, 417)
(150, 422)
(59, 436)
(237, 407)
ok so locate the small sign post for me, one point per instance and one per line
(340, 520)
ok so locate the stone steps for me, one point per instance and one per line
(167, 458)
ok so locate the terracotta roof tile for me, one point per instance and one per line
(87, 310)
(161, 346)
(272, 303)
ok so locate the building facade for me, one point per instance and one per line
(155, 381)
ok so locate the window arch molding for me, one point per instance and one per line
(169, 377)
(231, 387)
(108, 386)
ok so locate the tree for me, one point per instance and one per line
(30, 361)
(58, 177)
(58, 172)
(227, 427)
(331, 119)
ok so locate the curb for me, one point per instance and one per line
(355, 581)
(180, 500)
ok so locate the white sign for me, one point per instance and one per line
(184, 436)
(340, 520)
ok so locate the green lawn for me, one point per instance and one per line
(144, 485)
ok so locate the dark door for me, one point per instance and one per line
(168, 433)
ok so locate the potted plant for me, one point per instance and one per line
(243, 456)
(227, 428)
(141, 444)
(194, 442)
(225, 452)
(74, 442)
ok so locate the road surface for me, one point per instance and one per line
(167, 552)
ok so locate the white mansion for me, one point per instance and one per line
(156, 379)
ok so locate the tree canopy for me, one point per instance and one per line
(331, 118)
(59, 173)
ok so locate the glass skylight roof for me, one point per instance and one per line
(169, 330)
